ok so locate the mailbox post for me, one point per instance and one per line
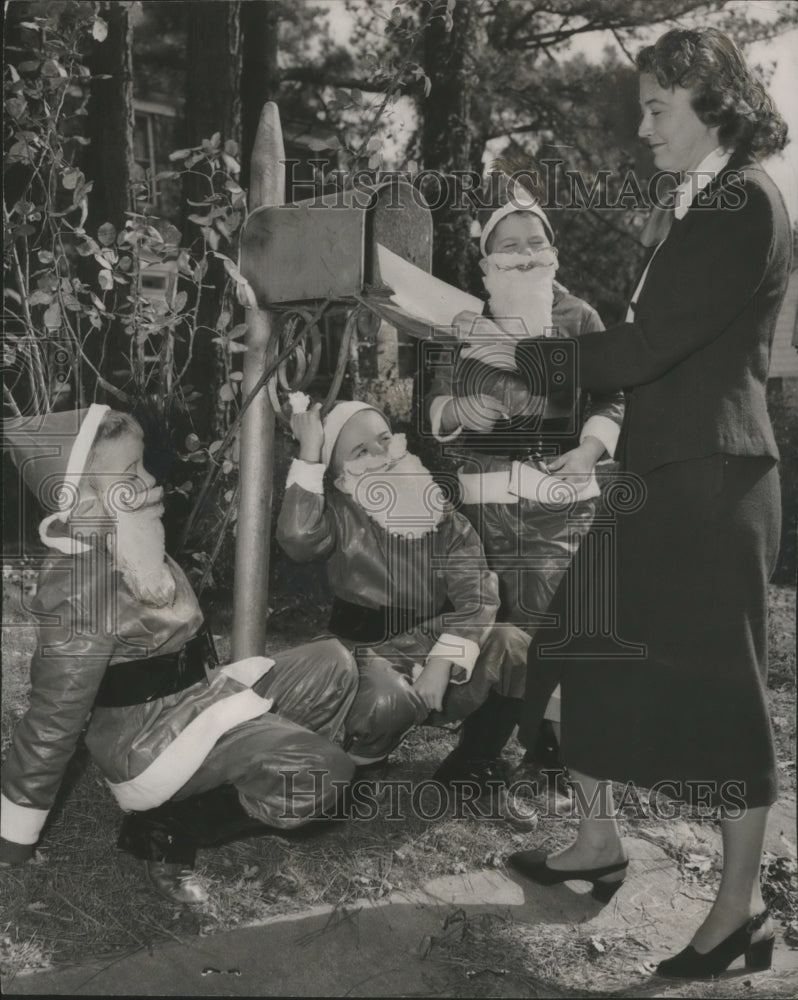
(256, 455)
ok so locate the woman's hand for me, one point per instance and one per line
(576, 466)
(432, 682)
(308, 430)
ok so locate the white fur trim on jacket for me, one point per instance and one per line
(485, 487)
(20, 824)
(308, 475)
(461, 651)
(606, 430)
(184, 755)
(249, 670)
(435, 417)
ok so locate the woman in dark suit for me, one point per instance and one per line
(693, 559)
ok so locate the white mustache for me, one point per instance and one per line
(405, 500)
(521, 301)
(144, 502)
(397, 450)
(525, 260)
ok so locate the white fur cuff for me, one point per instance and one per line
(249, 670)
(435, 415)
(606, 430)
(20, 824)
(485, 487)
(461, 651)
(310, 476)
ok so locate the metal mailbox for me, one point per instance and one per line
(326, 248)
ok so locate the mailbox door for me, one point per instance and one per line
(327, 247)
(400, 220)
(298, 253)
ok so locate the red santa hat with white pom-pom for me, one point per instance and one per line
(514, 189)
(333, 423)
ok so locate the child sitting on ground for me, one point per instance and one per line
(192, 753)
(413, 595)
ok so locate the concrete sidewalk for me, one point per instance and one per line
(385, 948)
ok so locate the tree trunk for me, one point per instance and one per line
(213, 71)
(445, 138)
(260, 76)
(108, 160)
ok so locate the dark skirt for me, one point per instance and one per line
(661, 647)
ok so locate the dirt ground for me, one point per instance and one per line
(81, 898)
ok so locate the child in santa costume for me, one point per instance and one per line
(193, 752)
(413, 595)
(527, 473)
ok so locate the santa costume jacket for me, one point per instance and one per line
(436, 590)
(90, 627)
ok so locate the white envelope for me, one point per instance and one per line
(420, 294)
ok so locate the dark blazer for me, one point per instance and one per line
(694, 362)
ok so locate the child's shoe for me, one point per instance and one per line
(176, 882)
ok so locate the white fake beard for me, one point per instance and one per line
(521, 289)
(397, 492)
(140, 555)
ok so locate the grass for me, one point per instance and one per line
(82, 899)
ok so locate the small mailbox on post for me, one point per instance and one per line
(326, 248)
(297, 259)
(300, 258)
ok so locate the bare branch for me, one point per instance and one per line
(318, 77)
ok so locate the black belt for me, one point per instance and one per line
(373, 625)
(493, 449)
(518, 445)
(135, 682)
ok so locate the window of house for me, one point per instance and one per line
(153, 141)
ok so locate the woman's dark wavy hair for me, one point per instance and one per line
(725, 91)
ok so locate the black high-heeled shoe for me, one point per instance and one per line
(533, 865)
(692, 964)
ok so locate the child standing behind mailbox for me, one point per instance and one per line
(506, 433)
